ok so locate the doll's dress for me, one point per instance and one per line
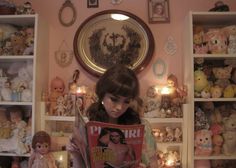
(40, 162)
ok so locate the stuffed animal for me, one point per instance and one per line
(228, 91)
(203, 142)
(201, 121)
(216, 91)
(29, 50)
(5, 125)
(229, 146)
(231, 35)
(6, 30)
(222, 75)
(217, 41)
(200, 81)
(18, 43)
(199, 44)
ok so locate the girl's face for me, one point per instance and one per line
(42, 148)
(115, 106)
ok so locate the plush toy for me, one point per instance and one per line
(231, 34)
(199, 44)
(18, 43)
(228, 91)
(222, 75)
(169, 134)
(217, 41)
(200, 81)
(29, 50)
(218, 163)
(216, 91)
(203, 142)
(201, 121)
(5, 125)
(229, 146)
(6, 30)
(202, 164)
(217, 141)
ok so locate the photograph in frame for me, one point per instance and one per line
(92, 3)
(158, 11)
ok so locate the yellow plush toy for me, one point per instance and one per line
(228, 92)
(200, 81)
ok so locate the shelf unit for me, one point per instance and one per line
(181, 147)
(37, 60)
(206, 20)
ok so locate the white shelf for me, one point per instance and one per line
(164, 120)
(14, 154)
(59, 118)
(223, 157)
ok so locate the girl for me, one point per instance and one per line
(115, 90)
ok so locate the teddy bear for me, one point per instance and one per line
(29, 50)
(216, 91)
(229, 91)
(216, 41)
(200, 82)
(199, 44)
(18, 43)
(231, 35)
(222, 75)
(203, 142)
(201, 121)
(229, 146)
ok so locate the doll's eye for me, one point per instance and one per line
(38, 146)
(207, 139)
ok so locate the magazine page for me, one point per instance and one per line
(114, 146)
(80, 138)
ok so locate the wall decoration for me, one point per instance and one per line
(158, 11)
(103, 40)
(67, 5)
(116, 2)
(170, 46)
(92, 3)
(64, 57)
(159, 68)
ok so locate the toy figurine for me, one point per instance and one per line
(41, 156)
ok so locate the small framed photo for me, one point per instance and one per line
(92, 3)
(158, 11)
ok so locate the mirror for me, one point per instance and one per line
(113, 37)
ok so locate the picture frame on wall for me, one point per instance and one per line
(158, 11)
(92, 3)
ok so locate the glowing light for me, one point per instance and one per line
(165, 90)
(61, 158)
(119, 17)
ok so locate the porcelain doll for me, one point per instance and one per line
(41, 156)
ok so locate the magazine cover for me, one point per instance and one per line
(105, 145)
(114, 146)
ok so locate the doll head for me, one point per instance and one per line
(41, 142)
(57, 85)
(16, 114)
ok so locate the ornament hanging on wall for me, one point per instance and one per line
(170, 46)
(159, 68)
(67, 5)
(116, 2)
(64, 55)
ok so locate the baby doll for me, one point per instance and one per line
(5, 125)
(41, 156)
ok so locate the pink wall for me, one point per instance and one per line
(178, 10)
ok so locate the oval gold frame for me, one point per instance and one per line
(101, 41)
(67, 4)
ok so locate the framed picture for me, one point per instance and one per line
(158, 11)
(92, 3)
(113, 37)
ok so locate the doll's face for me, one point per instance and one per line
(15, 117)
(42, 148)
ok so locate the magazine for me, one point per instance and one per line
(105, 145)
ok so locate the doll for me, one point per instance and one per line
(41, 156)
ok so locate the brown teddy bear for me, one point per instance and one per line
(18, 43)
